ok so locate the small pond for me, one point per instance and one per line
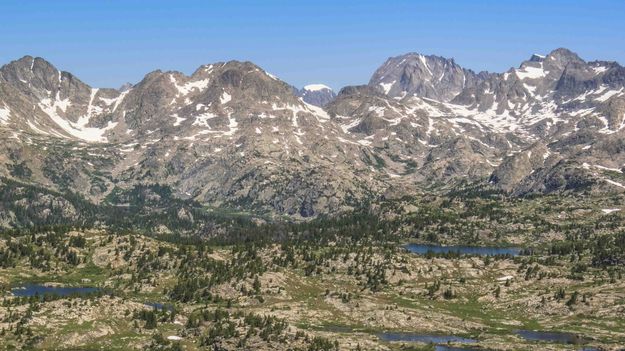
(41, 290)
(160, 306)
(423, 249)
(452, 348)
(551, 336)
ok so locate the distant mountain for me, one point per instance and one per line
(125, 86)
(317, 94)
(228, 135)
(231, 135)
(430, 76)
(556, 103)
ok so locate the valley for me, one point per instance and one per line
(346, 283)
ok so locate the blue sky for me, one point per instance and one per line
(107, 43)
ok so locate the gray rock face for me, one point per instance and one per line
(419, 75)
(561, 102)
(317, 94)
(547, 108)
(232, 135)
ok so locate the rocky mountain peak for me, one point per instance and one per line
(563, 56)
(420, 75)
(211, 102)
(38, 78)
(125, 87)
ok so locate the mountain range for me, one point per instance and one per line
(231, 135)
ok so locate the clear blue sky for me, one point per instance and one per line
(107, 43)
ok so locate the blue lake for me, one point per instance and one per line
(423, 249)
(424, 338)
(451, 348)
(439, 340)
(41, 290)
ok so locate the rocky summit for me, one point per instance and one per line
(232, 136)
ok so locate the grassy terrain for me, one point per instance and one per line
(333, 285)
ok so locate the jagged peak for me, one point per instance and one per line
(412, 59)
(29, 62)
(605, 64)
(208, 69)
(425, 56)
(422, 75)
(35, 76)
(233, 65)
(563, 55)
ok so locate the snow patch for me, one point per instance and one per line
(530, 72)
(614, 183)
(225, 98)
(387, 86)
(608, 169)
(317, 87)
(188, 87)
(178, 119)
(76, 129)
(115, 101)
(425, 63)
(599, 69)
(4, 114)
(608, 95)
(271, 76)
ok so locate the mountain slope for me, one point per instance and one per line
(228, 135)
(545, 107)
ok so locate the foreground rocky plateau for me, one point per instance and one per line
(344, 284)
